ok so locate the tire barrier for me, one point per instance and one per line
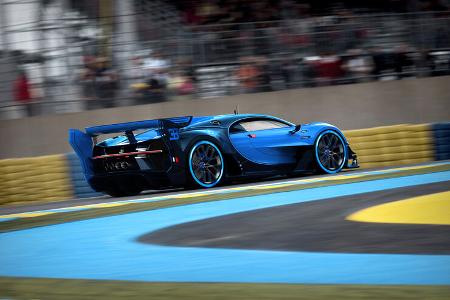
(81, 188)
(43, 178)
(60, 177)
(441, 135)
(392, 145)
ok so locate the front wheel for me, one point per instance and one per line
(330, 151)
(206, 164)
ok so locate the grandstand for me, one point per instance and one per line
(150, 51)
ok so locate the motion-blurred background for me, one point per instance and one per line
(66, 56)
(356, 64)
(377, 69)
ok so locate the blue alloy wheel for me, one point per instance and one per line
(206, 164)
(331, 152)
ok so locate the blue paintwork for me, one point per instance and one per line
(121, 127)
(145, 124)
(152, 133)
(82, 145)
(273, 146)
(82, 142)
(272, 152)
(278, 146)
(317, 152)
(314, 129)
(87, 249)
(192, 171)
(80, 187)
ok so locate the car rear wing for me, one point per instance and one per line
(83, 142)
(178, 122)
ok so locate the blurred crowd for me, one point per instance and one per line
(217, 12)
(234, 11)
(260, 74)
(155, 78)
(99, 83)
(258, 46)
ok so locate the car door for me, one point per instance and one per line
(265, 141)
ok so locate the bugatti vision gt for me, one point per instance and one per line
(205, 151)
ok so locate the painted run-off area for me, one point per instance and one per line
(431, 209)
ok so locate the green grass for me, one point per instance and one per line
(24, 223)
(29, 288)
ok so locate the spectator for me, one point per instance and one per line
(386, 64)
(106, 83)
(248, 75)
(136, 80)
(308, 70)
(22, 92)
(358, 66)
(136, 72)
(181, 84)
(87, 77)
(288, 72)
(188, 69)
(264, 78)
(157, 72)
(405, 62)
(329, 69)
(209, 12)
(156, 69)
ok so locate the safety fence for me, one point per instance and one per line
(60, 177)
(71, 72)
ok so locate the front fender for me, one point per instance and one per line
(314, 129)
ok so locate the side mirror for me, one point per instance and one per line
(296, 129)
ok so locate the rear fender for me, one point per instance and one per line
(219, 137)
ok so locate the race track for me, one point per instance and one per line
(296, 235)
(316, 226)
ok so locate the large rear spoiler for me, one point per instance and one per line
(178, 122)
(82, 142)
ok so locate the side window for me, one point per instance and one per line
(256, 125)
(237, 128)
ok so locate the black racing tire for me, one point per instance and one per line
(330, 152)
(205, 165)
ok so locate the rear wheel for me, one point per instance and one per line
(330, 152)
(206, 164)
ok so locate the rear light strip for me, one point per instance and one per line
(127, 154)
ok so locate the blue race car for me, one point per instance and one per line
(205, 151)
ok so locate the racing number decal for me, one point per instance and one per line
(174, 134)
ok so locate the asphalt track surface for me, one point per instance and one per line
(318, 226)
(20, 208)
(107, 247)
(37, 206)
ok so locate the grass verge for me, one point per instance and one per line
(33, 288)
